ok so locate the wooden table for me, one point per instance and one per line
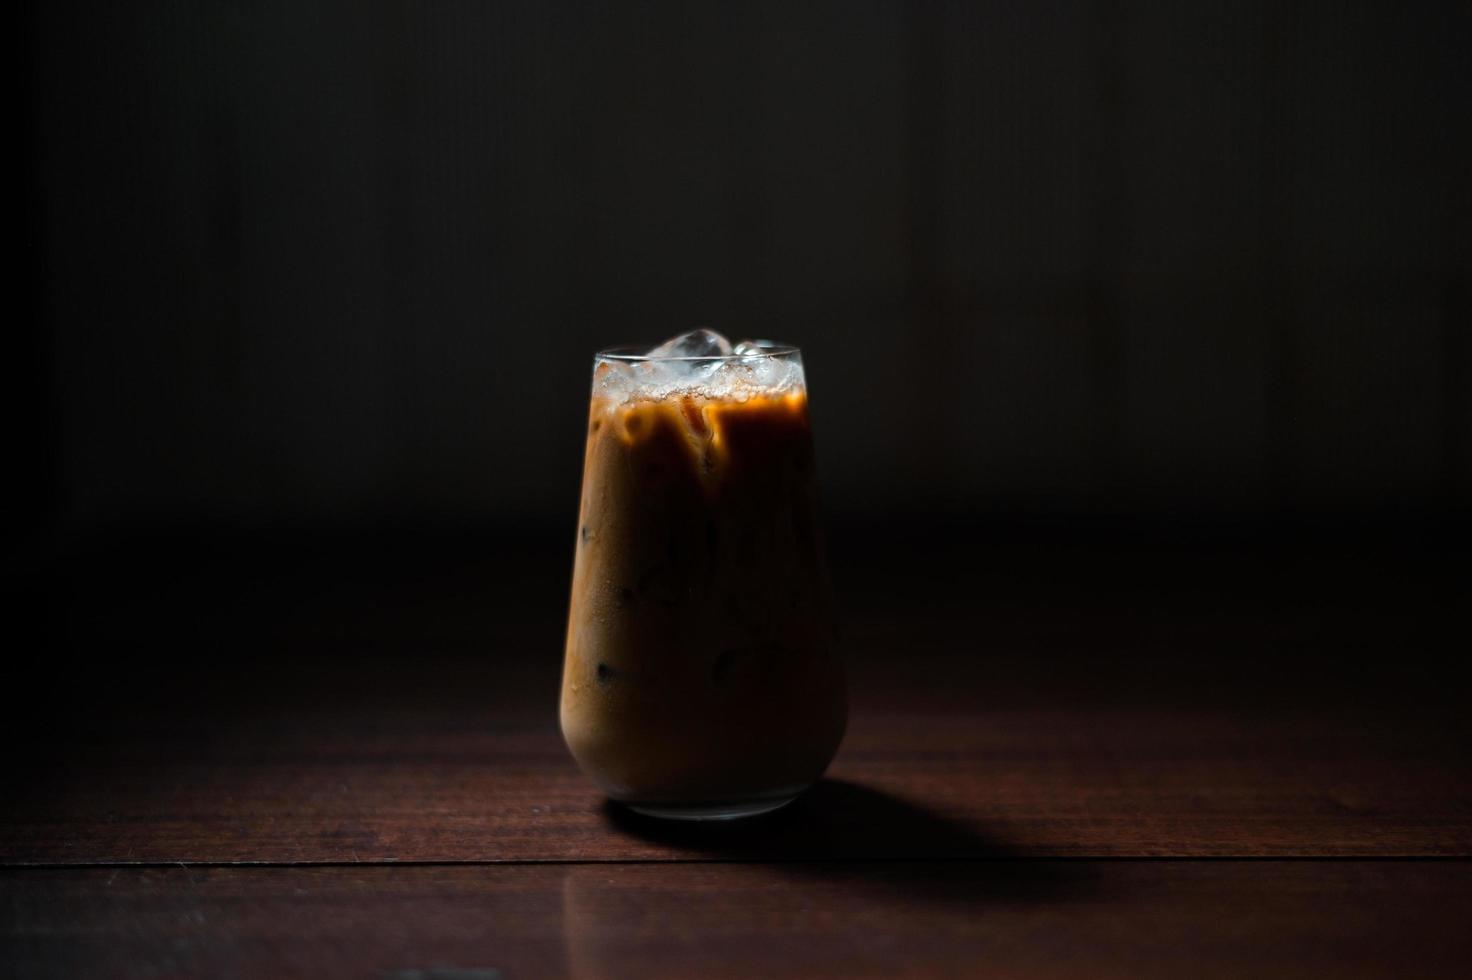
(1101, 761)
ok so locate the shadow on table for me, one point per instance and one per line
(846, 831)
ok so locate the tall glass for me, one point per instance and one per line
(701, 678)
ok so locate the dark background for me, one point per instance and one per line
(343, 265)
(1138, 335)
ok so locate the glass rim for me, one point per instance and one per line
(631, 354)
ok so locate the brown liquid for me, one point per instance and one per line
(700, 658)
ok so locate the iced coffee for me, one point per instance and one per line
(701, 677)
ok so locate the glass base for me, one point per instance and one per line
(711, 811)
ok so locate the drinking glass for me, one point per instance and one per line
(701, 678)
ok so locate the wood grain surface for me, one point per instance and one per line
(1025, 919)
(1057, 764)
(906, 785)
(1074, 704)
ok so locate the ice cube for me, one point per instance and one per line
(703, 363)
(761, 366)
(754, 348)
(699, 343)
(615, 379)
